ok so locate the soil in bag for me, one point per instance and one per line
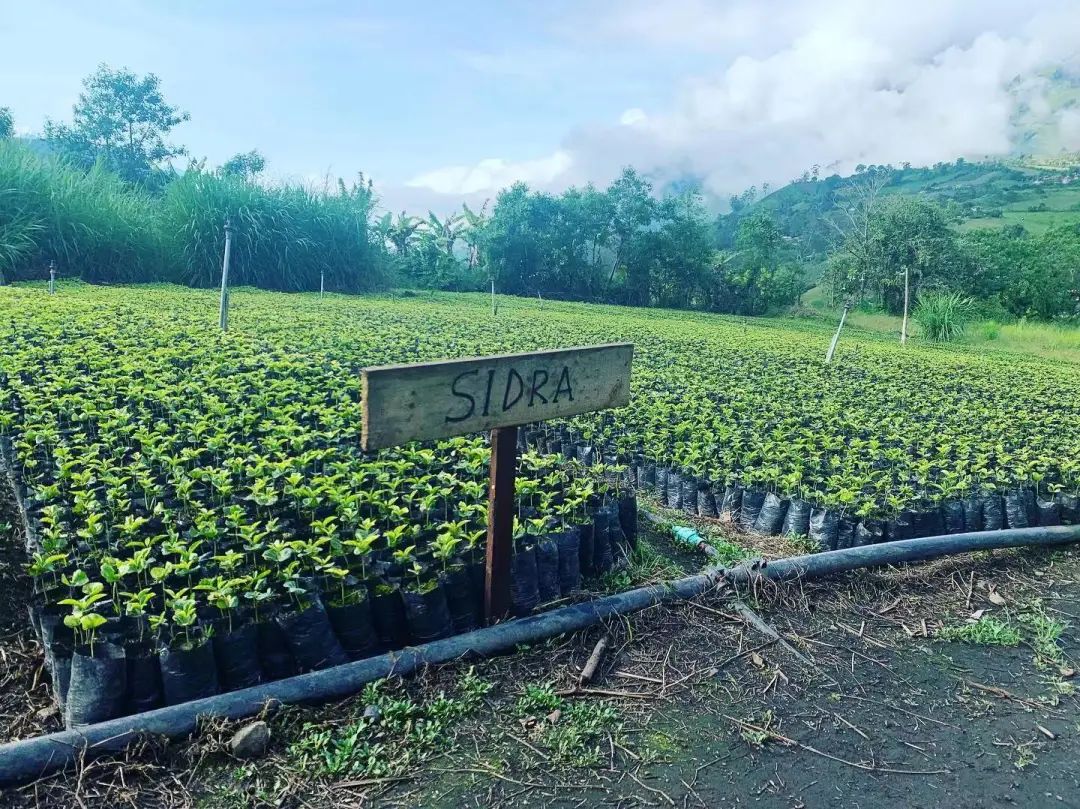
(58, 641)
(547, 569)
(689, 496)
(478, 582)
(586, 550)
(900, 527)
(603, 558)
(845, 533)
(569, 543)
(188, 672)
(615, 532)
(388, 615)
(869, 532)
(628, 518)
(993, 512)
(973, 514)
(731, 503)
(674, 489)
(824, 528)
(524, 588)
(1031, 505)
(952, 512)
(354, 626)
(1016, 515)
(706, 501)
(427, 613)
(771, 517)
(275, 658)
(310, 637)
(98, 688)
(659, 487)
(460, 598)
(752, 501)
(143, 679)
(1049, 512)
(237, 654)
(649, 481)
(1070, 509)
(797, 519)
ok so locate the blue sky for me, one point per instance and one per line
(442, 101)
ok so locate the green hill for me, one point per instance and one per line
(1037, 193)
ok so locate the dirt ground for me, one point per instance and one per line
(944, 684)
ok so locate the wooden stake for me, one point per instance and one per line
(52, 277)
(500, 536)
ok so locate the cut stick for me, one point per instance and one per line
(593, 663)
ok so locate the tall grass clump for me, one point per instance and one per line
(283, 237)
(942, 316)
(90, 223)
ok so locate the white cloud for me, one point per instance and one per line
(495, 173)
(779, 86)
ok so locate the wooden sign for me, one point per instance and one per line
(433, 400)
(439, 399)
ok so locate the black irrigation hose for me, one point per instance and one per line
(827, 563)
(26, 760)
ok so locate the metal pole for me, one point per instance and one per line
(836, 337)
(493, 297)
(223, 317)
(903, 328)
(322, 283)
(52, 277)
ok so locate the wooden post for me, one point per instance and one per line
(494, 309)
(223, 314)
(500, 536)
(52, 277)
(322, 283)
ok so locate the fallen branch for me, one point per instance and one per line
(1002, 693)
(772, 734)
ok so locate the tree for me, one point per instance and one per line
(123, 120)
(632, 211)
(757, 276)
(247, 165)
(854, 260)
(7, 123)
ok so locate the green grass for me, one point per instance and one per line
(1047, 340)
(987, 631)
(402, 735)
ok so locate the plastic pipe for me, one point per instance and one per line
(29, 759)
(826, 563)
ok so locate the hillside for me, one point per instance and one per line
(1038, 193)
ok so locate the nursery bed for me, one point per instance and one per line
(201, 499)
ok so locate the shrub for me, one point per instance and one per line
(942, 316)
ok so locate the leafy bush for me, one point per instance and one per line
(942, 316)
